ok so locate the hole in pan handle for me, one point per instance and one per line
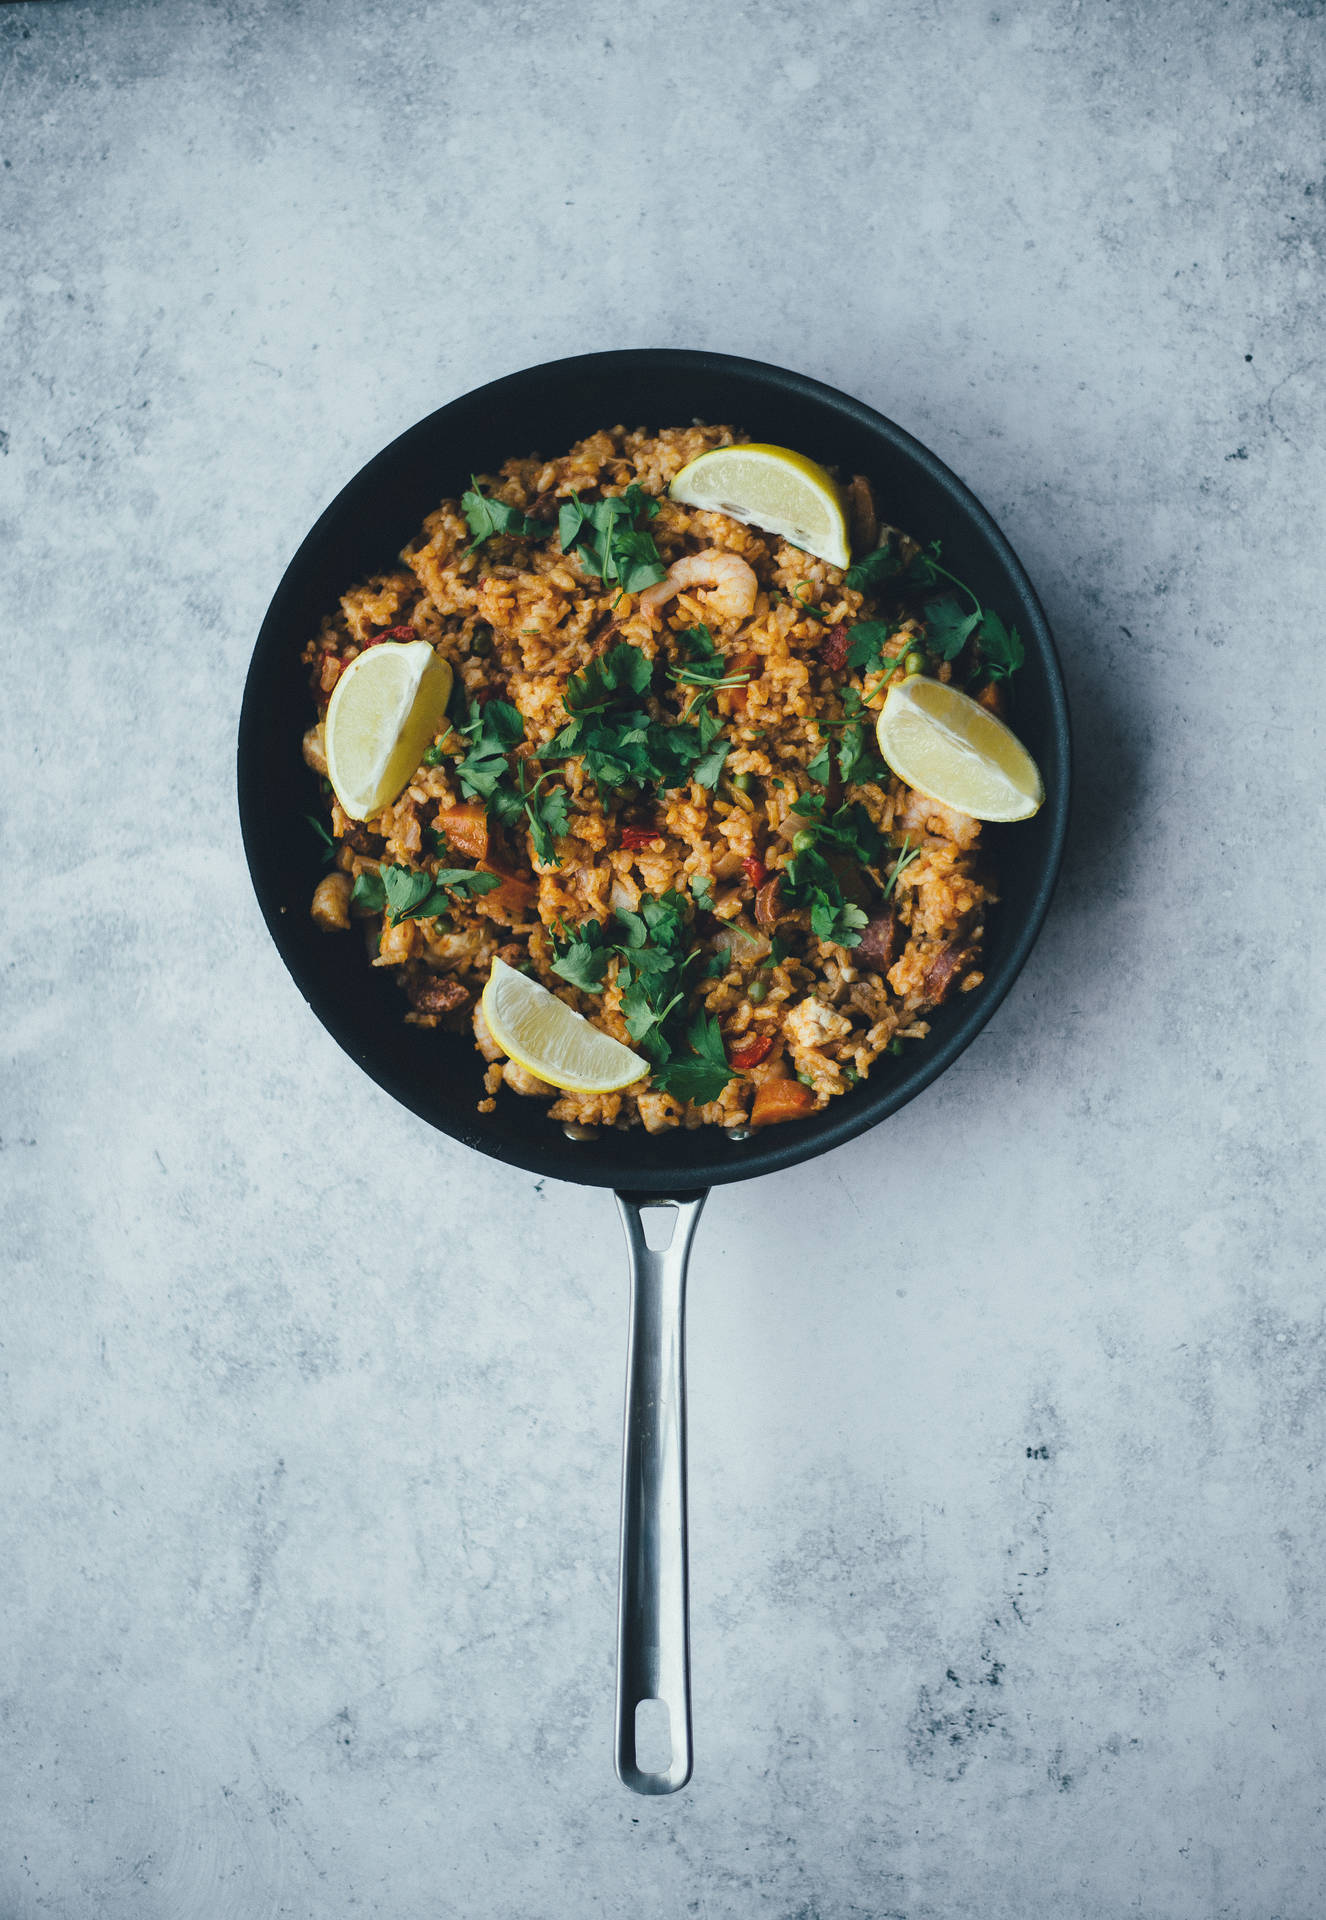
(653, 1632)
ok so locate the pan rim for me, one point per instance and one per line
(555, 1157)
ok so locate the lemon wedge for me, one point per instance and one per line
(385, 709)
(548, 1038)
(948, 747)
(774, 488)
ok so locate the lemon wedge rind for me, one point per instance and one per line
(384, 710)
(950, 748)
(774, 488)
(551, 1040)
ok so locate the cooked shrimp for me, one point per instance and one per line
(731, 584)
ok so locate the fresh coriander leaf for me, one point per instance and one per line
(635, 560)
(422, 896)
(582, 958)
(505, 805)
(873, 568)
(637, 933)
(328, 844)
(698, 642)
(857, 759)
(947, 627)
(837, 920)
(1001, 647)
(819, 768)
(493, 730)
(622, 669)
(503, 723)
(464, 881)
(368, 894)
(406, 890)
(700, 1076)
(702, 892)
(809, 806)
(571, 517)
(610, 543)
(485, 517)
(867, 643)
(901, 864)
(548, 821)
(708, 767)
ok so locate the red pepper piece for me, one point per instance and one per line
(755, 870)
(636, 838)
(833, 648)
(751, 1052)
(392, 633)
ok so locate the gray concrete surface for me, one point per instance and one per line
(1007, 1422)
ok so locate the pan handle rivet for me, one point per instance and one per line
(575, 1132)
(738, 1134)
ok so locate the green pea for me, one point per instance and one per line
(895, 1046)
(481, 640)
(743, 782)
(756, 991)
(914, 663)
(802, 842)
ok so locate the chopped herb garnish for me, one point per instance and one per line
(701, 1075)
(869, 638)
(900, 865)
(1001, 647)
(620, 741)
(819, 768)
(813, 882)
(545, 812)
(492, 731)
(652, 954)
(582, 956)
(702, 892)
(485, 517)
(422, 896)
(949, 624)
(328, 848)
(368, 893)
(610, 540)
(874, 568)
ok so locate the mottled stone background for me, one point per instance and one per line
(1007, 1421)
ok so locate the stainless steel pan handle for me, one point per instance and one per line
(653, 1634)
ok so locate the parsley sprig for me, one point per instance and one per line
(611, 539)
(484, 517)
(811, 880)
(654, 956)
(409, 895)
(901, 864)
(618, 738)
(545, 813)
(949, 625)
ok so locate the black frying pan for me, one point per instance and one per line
(439, 1075)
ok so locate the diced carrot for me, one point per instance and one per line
(777, 1100)
(466, 829)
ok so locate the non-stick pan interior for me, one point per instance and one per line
(545, 409)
